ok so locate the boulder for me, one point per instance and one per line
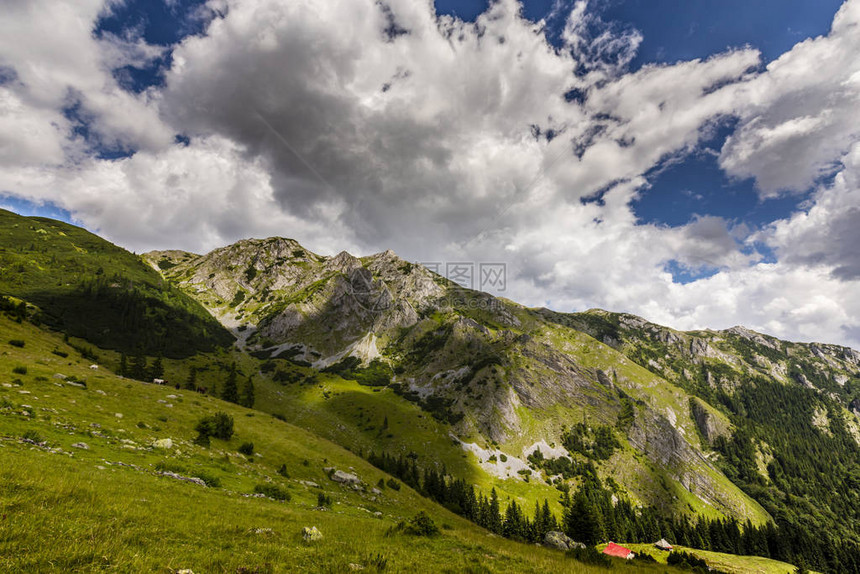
(560, 540)
(165, 443)
(345, 478)
(311, 534)
(81, 445)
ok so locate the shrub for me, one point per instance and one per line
(421, 525)
(32, 435)
(202, 440)
(246, 448)
(223, 426)
(60, 353)
(323, 500)
(393, 484)
(20, 370)
(273, 491)
(16, 342)
(219, 425)
(283, 471)
(381, 484)
(210, 479)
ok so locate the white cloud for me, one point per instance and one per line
(365, 125)
(192, 197)
(56, 60)
(800, 116)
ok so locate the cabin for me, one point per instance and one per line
(662, 544)
(613, 549)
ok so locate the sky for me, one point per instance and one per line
(696, 163)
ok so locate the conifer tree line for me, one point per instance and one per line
(595, 514)
(138, 367)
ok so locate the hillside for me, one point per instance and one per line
(603, 425)
(87, 287)
(90, 483)
(708, 425)
(505, 381)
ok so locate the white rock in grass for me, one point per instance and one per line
(345, 478)
(165, 443)
(311, 534)
(118, 415)
(185, 571)
(81, 445)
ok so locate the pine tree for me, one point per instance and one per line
(494, 520)
(123, 366)
(191, 383)
(139, 369)
(248, 393)
(156, 371)
(230, 392)
(582, 521)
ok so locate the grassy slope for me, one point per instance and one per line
(68, 509)
(725, 562)
(90, 288)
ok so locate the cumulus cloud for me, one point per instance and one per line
(365, 124)
(827, 233)
(191, 197)
(800, 116)
(57, 62)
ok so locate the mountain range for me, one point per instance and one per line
(392, 361)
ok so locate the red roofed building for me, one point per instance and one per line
(614, 549)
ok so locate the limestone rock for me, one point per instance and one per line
(164, 443)
(560, 540)
(311, 534)
(345, 478)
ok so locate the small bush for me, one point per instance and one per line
(33, 436)
(219, 425)
(273, 491)
(381, 484)
(16, 342)
(246, 448)
(202, 440)
(20, 370)
(210, 479)
(283, 471)
(60, 353)
(393, 484)
(323, 501)
(421, 525)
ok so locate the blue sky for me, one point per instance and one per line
(711, 147)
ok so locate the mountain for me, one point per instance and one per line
(711, 423)
(89, 288)
(607, 425)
